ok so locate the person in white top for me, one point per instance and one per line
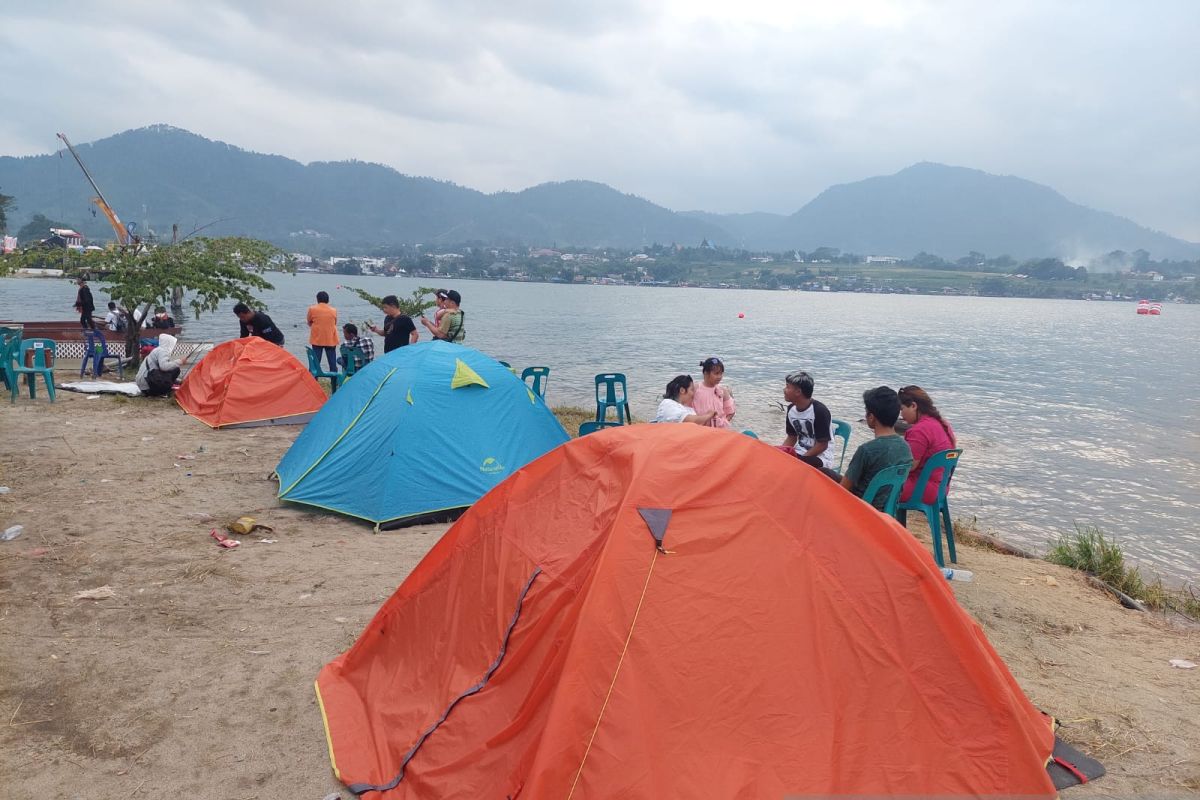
(676, 405)
(158, 373)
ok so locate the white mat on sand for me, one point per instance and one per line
(101, 387)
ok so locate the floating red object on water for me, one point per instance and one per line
(741, 315)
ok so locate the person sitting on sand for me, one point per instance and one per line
(363, 343)
(676, 405)
(712, 396)
(928, 433)
(887, 449)
(257, 323)
(449, 328)
(157, 374)
(808, 424)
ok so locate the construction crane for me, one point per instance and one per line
(124, 237)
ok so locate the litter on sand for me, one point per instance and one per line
(11, 533)
(267, 541)
(1182, 663)
(99, 593)
(223, 540)
(245, 525)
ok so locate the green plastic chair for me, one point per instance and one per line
(890, 480)
(937, 512)
(314, 368)
(592, 427)
(541, 379)
(841, 430)
(10, 342)
(41, 366)
(611, 392)
(349, 364)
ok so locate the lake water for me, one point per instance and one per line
(1069, 412)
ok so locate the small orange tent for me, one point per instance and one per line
(249, 381)
(661, 611)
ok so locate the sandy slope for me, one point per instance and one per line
(195, 679)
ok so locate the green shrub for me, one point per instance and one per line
(1090, 551)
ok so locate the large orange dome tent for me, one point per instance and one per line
(249, 381)
(672, 611)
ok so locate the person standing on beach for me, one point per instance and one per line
(808, 424)
(85, 305)
(322, 330)
(398, 329)
(449, 327)
(256, 323)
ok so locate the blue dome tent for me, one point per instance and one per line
(416, 436)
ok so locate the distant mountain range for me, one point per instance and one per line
(161, 175)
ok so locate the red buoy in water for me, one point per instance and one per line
(741, 315)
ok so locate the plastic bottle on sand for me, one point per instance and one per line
(961, 575)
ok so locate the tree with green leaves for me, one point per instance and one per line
(6, 205)
(413, 306)
(38, 228)
(209, 270)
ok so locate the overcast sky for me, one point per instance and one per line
(721, 105)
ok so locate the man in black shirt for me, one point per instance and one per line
(85, 305)
(398, 329)
(256, 323)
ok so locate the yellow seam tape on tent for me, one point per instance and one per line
(532, 396)
(409, 397)
(465, 376)
(341, 436)
(328, 734)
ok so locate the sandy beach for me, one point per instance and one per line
(195, 677)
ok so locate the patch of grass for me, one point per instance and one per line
(1088, 550)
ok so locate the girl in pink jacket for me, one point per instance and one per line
(712, 396)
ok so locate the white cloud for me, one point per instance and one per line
(706, 104)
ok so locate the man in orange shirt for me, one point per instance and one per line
(322, 330)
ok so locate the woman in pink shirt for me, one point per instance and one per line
(712, 396)
(927, 434)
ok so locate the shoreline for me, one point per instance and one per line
(442, 279)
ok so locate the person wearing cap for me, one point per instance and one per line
(450, 327)
(440, 298)
(712, 396)
(808, 424)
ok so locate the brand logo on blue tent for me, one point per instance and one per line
(490, 465)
